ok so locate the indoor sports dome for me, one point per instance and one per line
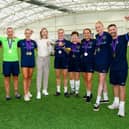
(48, 79)
(68, 14)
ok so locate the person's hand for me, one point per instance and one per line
(48, 43)
(61, 44)
(127, 18)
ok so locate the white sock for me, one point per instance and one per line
(72, 85)
(58, 88)
(88, 93)
(116, 100)
(105, 95)
(77, 86)
(98, 99)
(121, 108)
(65, 89)
(122, 105)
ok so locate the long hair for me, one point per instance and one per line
(42, 31)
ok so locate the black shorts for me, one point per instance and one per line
(118, 77)
(61, 63)
(102, 68)
(11, 68)
(74, 66)
(87, 67)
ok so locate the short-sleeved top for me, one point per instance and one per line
(59, 50)
(119, 62)
(27, 50)
(43, 48)
(87, 50)
(75, 52)
(10, 52)
(102, 52)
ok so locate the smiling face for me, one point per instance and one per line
(10, 32)
(60, 34)
(44, 33)
(99, 27)
(87, 34)
(112, 31)
(28, 33)
(75, 38)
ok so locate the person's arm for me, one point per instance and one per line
(67, 47)
(0, 44)
(19, 44)
(35, 45)
(110, 39)
(127, 35)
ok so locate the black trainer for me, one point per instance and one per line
(96, 107)
(8, 98)
(17, 96)
(88, 98)
(104, 101)
(72, 92)
(84, 97)
(66, 94)
(76, 95)
(57, 94)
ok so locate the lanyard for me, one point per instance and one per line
(86, 43)
(114, 44)
(28, 45)
(99, 40)
(10, 42)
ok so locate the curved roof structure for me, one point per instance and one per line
(18, 13)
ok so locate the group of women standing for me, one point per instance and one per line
(107, 50)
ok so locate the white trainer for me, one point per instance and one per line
(26, 98)
(121, 113)
(38, 95)
(45, 93)
(29, 94)
(113, 106)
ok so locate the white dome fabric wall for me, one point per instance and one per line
(78, 21)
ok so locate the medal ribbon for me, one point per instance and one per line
(28, 45)
(74, 46)
(86, 45)
(99, 40)
(114, 44)
(10, 42)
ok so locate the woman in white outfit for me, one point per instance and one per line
(43, 60)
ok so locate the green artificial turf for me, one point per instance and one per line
(58, 112)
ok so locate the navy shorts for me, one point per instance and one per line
(101, 68)
(118, 77)
(74, 66)
(28, 64)
(61, 63)
(87, 67)
(11, 68)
